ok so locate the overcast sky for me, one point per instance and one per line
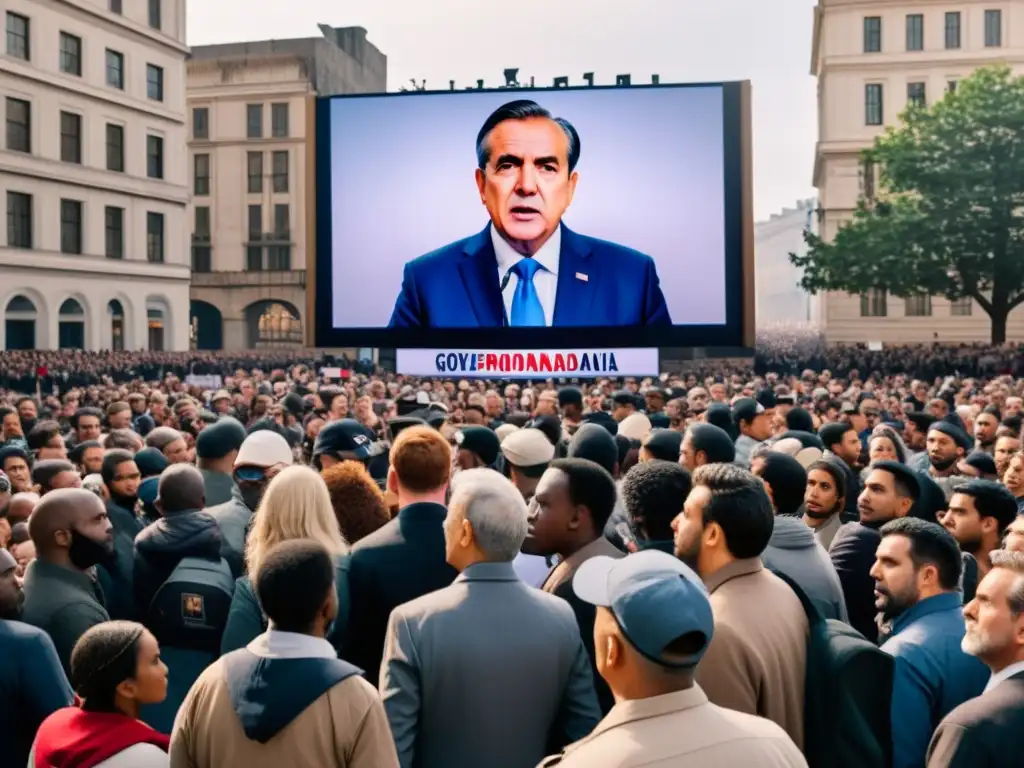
(682, 40)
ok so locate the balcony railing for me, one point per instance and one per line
(294, 277)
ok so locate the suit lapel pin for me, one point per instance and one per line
(581, 276)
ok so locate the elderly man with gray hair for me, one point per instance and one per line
(487, 671)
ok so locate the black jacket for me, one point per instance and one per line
(115, 577)
(983, 731)
(393, 565)
(853, 554)
(164, 544)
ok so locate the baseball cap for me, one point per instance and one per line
(528, 448)
(480, 440)
(746, 409)
(264, 449)
(656, 599)
(348, 439)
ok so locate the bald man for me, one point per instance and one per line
(72, 535)
(183, 530)
(21, 506)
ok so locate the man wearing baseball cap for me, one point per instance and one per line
(262, 455)
(754, 422)
(654, 623)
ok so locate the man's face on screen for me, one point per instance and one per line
(527, 185)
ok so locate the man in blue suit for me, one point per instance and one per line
(526, 268)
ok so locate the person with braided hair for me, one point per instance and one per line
(115, 670)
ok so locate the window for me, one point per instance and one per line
(279, 258)
(918, 306)
(915, 32)
(254, 121)
(19, 220)
(155, 82)
(70, 226)
(951, 86)
(115, 69)
(154, 13)
(873, 113)
(282, 226)
(993, 29)
(873, 34)
(154, 157)
(916, 94)
(279, 120)
(17, 36)
(873, 303)
(201, 250)
(867, 173)
(201, 173)
(19, 125)
(201, 123)
(115, 6)
(115, 147)
(952, 30)
(114, 225)
(280, 166)
(70, 54)
(155, 237)
(255, 222)
(70, 137)
(202, 226)
(960, 307)
(254, 258)
(255, 169)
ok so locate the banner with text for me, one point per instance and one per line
(527, 363)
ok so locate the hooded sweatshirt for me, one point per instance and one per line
(795, 552)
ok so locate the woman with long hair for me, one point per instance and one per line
(359, 503)
(296, 505)
(115, 670)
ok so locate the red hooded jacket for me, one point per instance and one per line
(74, 738)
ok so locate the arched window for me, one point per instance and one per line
(20, 323)
(71, 325)
(116, 312)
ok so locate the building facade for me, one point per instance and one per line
(780, 299)
(871, 58)
(248, 133)
(94, 175)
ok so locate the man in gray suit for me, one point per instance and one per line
(487, 671)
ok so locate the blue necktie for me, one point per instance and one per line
(526, 308)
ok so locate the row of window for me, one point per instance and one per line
(253, 121)
(20, 228)
(915, 31)
(19, 139)
(254, 169)
(874, 99)
(18, 46)
(263, 252)
(155, 11)
(875, 303)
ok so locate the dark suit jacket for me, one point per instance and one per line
(984, 731)
(457, 286)
(853, 554)
(397, 563)
(32, 687)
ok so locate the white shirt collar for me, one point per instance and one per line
(274, 644)
(1003, 675)
(508, 256)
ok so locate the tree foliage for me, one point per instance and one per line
(949, 220)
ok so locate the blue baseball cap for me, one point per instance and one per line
(655, 598)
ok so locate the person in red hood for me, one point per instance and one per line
(115, 670)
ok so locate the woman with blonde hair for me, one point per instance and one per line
(296, 505)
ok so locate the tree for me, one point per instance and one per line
(949, 219)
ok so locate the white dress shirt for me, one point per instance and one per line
(1004, 675)
(274, 644)
(545, 279)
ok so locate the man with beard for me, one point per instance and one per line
(122, 477)
(916, 572)
(985, 427)
(979, 513)
(890, 491)
(986, 730)
(915, 435)
(757, 660)
(35, 686)
(72, 534)
(947, 445)
(824, 499)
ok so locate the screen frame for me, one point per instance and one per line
(737, 331)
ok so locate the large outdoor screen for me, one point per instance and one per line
(532, 219)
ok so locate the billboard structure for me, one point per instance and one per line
(534, 233)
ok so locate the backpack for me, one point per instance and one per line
(190, 609)
(847, 694)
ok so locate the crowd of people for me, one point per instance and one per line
(815, 561)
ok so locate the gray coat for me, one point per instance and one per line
(794, 551)
(485, 672)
